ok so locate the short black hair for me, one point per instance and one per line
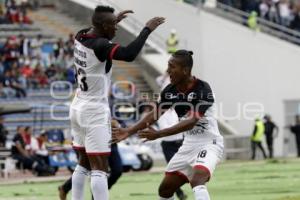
(99, 10)
(185, 56)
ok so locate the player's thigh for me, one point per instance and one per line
(171, 183)
(83, 158)
(77, 130)
(97, 142)
(206, 160)
(179, 165)
(98, 162)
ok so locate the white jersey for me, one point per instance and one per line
(93, 72)
(206, 129)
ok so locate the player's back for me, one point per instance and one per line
(93, 73)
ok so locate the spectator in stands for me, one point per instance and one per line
(35, 146)
(7, 83)
(284, 12)
(12, 12)
(274, 15)
(39, 77)
(38, 147)
(264, 9)
(11, 49)
(3, 132)
(69, 45)
(70, 75)
(23, 18)
(68, 61)
(295, 23)
(172, 42)
(5, 90)
(296, 130)
(23, 156)
(271, 131)
(58, 48)
(2, 67)
(257, 136)
(15, 84)
(36, 46)
(3, 18)
(51, 72)
(24, 45)
(26, 69)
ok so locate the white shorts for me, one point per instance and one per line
(91, 131)
(190, 157)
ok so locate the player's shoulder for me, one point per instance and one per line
(202, 86)
(80, 34)
(83, 35)
(169, 88)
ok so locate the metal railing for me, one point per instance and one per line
(265, 26)
(222, 10)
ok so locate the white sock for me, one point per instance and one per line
(78, 182)
(171, 198)
(99, 185)
(201, 193)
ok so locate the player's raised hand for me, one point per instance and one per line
(148, 134)
(153, 23)
(122, 15)
(119, 134)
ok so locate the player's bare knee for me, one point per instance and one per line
(83, 160)
(200, 178)
(98, 163)
(165, 190)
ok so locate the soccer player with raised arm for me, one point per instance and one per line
(202, 148)
(89, 111)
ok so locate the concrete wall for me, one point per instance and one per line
(242, 66)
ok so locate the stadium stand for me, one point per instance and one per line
(283, 12)
(32, 60)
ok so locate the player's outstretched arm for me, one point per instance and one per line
(119, 134)
(123, 14)
(151, 134)
(130, 52)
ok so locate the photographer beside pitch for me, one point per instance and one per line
(202, 147)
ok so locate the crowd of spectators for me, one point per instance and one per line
(30, 152)
(14, 12)
(23, 64)
(283, 12)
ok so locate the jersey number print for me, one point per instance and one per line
(80, 73)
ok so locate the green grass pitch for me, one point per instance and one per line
(263, 180)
